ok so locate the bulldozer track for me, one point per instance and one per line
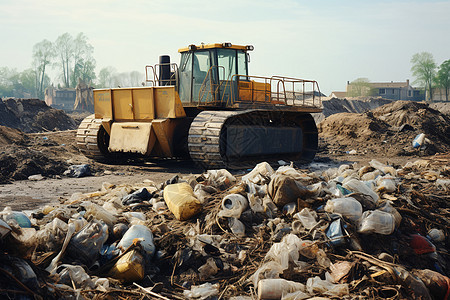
(204, 138)
(208, 146)
(87, 137)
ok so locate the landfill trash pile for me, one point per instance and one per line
(376, 232)
(387, 130)
(33, 115)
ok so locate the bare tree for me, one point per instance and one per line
(83, 62)
(65, 50)
(43, 54)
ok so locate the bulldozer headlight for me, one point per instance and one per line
(226, 45)
(192, 47)
(249, 47)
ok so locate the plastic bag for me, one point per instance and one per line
(307, 217)
(236, 226)
(348, 207)
(283, 190)
(221, 179)
(78, 171)
(203, 291)
(260, 174)
(377, 221)
(357, 186)
(286, 251)
(383, 168)
(326, 287)
(137, 197)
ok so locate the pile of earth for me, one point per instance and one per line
(336, 105)
(387, 130)
(23, 155)
(33, 115)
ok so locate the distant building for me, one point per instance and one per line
(60, 98)
(391, 90)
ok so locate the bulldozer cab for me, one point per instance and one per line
(205, 72)
(217, 76)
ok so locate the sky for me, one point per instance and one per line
(329, 41)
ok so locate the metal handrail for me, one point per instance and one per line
(155, 81)
(279, 92)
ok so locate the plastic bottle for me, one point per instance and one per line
(348, 207)
(236, 226)
(275, 288)
(181, 200)
(142, 233)
(86, 244)
(233, 205)
(376, 221)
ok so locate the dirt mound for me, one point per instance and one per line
(418, 115)
(387, 130)
(443, 107)
(336, 105)
(33, 115)
(11, 136)
(19, 162)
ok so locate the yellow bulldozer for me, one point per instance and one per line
(207, 108)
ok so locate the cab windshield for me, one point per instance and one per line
(194, 67)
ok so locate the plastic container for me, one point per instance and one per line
(376, 221)
(307, 217)
(275, 288)
(233, 205)
(145, 236)
(418, 140)
(348, 207)
(130, 267)
(16, 216)
(86, 244)
(181, 200)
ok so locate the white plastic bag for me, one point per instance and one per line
(377, 221)
(307, 217)
(348, 207)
